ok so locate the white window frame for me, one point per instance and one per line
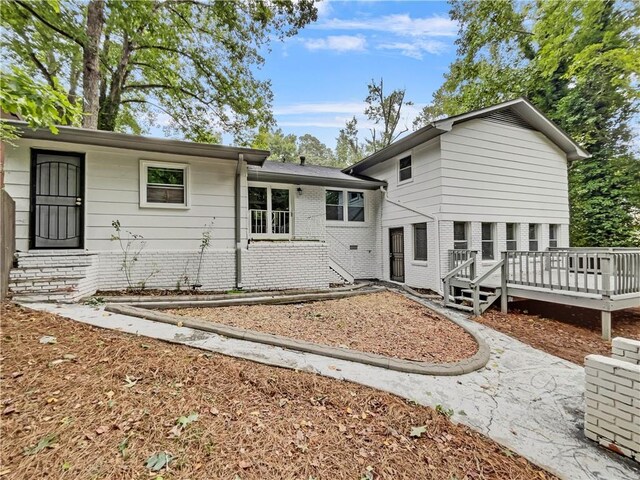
(492, 227)
(410, 167)
(345, 206)
(421, 261)
(556, 227)
(516, 234)
(270, 235)
(144, 166)
(467, 228)
(537, 236)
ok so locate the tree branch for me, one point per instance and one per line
(53, 27)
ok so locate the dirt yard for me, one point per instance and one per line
(384, 323)
(567, 332)
(100, 404)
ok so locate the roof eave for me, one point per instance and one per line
(103, 138)
(296, 179)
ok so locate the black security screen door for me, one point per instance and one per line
(396, 254)
(57, 195)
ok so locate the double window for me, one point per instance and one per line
(534, 231)
(488, 250)
(420, 241)
(164, 184)
(460, 236)
(343, 204)
(553, 235)
(269, 211)
(512, 236)
(404, 169)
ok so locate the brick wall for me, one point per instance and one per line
(54, 276)
(281, 265)
(612, 413)
(309, 213)
(170, 267)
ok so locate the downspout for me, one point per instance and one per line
(238, 218)
(428, 215)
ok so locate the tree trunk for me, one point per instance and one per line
(91, 62)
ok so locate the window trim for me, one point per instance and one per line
(345, 207)
(467, 227)
(426, 239)
(269, 234)
(516, 236)
(410, 167)
(537, 236)
(145, 164)
(556, 227)
(492, 227)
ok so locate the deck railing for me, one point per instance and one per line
(457, 258)
(599, 271)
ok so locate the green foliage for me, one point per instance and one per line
(577, 61)
(37, 103)
(45, 442)
(289, 148)
(193, 63)
(158, 461)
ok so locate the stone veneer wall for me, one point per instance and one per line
(612, 414)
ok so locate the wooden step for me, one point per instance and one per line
(459, 306)
(482, 293)
(469, 299)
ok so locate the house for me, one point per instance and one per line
(489, 181)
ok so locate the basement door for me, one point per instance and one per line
(396, 254)
(57, 195)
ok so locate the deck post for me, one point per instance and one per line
(606, 325)
(504, 272)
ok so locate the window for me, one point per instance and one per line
(533, 237)
(337, 210)
(420, 241)
(460, 236)
(553, 235)
(334, 205)
(404, 168)
(163, 184)
(487, 241)
(269, 211)
(512, 236)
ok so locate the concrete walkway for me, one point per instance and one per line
(525, 399)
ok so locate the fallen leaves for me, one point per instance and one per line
(417, 432)
(45, 442)
(48, 340)
(158, 461)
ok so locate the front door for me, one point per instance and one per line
(396, 253)
(57, 196)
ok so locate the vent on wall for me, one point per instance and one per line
(509, 117)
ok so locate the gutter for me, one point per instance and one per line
(424, 214)
(238, 205)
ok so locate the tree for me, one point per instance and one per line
(283, 147)
(189, 61)
(577, 61)
(38, 104)
(384, 111)
(316, 152)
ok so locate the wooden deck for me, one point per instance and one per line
(601, 279)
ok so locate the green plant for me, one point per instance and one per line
(94, 301)
(131, 246)
(205, 242)
(447, 412)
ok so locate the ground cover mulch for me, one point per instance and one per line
(384, 323)
(566, 332)
(97, 404)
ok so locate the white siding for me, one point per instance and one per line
(112, 192)
(501, 173)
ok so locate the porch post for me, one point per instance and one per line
(504, 271)
(606, 325)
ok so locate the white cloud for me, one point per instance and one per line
(315, 108)
(324, 8)
(415, 49)
(337, 43)
(400, 24)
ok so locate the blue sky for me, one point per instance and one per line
(319, 77)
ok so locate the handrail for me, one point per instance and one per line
(478, 280)
(460, 267)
